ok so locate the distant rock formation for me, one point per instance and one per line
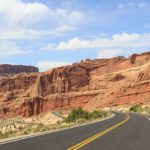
(15, 69)
(90, 84)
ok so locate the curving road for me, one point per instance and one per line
(118, 133)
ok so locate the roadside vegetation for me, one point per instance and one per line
(16, 127)
(83, 115)
(8, 129)
(136, 108)
(140, 109)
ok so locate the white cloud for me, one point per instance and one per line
(34, 34)
(117, 41)
(72, 15)
(10, 49)
(124, 37)
(46, 65)
(109, 53)
(15, 11)
(23, 20)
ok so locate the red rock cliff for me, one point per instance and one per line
(89, 84)
(15, 69)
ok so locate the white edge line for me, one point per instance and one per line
(143, 115)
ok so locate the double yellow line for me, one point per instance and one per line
(85, 142)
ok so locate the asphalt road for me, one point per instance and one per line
(134, 134)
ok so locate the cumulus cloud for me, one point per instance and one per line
(46, 65)
(117, 41)
(15, 11)
(23, 20)
(33, 34)
(10, 49)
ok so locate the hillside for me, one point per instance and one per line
(90, 84)
(6, 69)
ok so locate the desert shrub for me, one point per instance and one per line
(77, 114)
(80, 115)
(20, 128)
(98, 114)
(5, 135)
(41, 127)
(27, 130)
(58, 122)
(45, 128)
(136, 108)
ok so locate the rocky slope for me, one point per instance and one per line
(6, 69)
(89, 84)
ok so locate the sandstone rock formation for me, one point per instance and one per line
(15, 69)
(89, 84)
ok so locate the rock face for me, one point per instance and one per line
(89, 84)
(15, 69)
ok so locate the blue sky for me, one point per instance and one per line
(51, 33)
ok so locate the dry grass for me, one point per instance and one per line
(19, 126)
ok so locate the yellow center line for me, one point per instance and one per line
(85, 142)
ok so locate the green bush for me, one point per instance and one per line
(98, 114)
(80, 114)
(77, 114)
(136, 108)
